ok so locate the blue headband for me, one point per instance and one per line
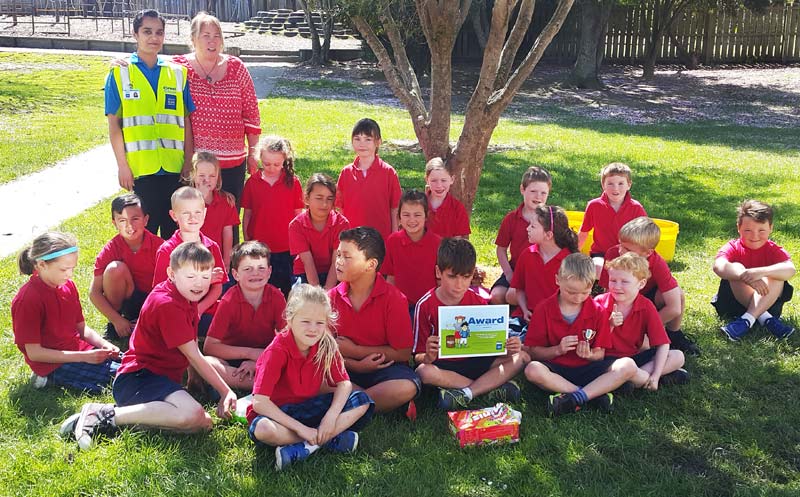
(58, 253)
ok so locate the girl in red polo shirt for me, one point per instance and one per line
(302, 395)
(49, 328)
(314, 234)
(271, 199)
(221, 211)
(447, 217)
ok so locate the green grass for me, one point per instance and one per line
(50, 108)
(732, 431)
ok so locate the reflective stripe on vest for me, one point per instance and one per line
(152, 132)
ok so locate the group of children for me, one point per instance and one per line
(366, 268)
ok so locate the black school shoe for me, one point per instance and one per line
(603, 403)
(677, 377)
(680, 341)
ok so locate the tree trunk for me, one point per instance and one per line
(316, 46)
(591, 43)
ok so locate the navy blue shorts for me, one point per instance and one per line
(281, 277)
(501, 281)
(84, 376)
(651, 294)
(581, 375)
(311, 411)
(642, 357)
(729, 308)
(141, 387)
(517, 327)
(393, 372)
(472, 368)
(133, 305)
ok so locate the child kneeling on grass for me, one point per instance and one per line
(460, 379)
(148, 390)
(567, 338)
(633, 317)
(302, 396)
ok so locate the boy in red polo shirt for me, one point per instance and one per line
(459, 380)
(606, 214)
(567, 338)
(368, 190)
(314, 234)
(641, 236)
(123, 270)
(410, 262)
(148, 390)
(246, 319)
(513, 235)
(374, 329)
(633, 317)
(189, 211)
(754, 273)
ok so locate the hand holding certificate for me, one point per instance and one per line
(472, 330)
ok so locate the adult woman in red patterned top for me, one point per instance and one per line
(227, 108)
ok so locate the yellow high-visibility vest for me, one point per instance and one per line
(152, 123)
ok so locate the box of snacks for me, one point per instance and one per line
(491, 425)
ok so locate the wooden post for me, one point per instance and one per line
(708, 36)
(786, 34)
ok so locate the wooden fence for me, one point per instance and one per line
(711, 37)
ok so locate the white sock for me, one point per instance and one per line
(763, 318)
(749, 317)
(468, 392)
(311, 448)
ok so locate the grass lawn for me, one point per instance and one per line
(732, 431)
(51, 107)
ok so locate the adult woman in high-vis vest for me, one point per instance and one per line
(147, 105)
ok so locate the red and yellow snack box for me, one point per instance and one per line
(491, 425)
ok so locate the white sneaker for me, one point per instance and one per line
(67, 429)
(38, 382)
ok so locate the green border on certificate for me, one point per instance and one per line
(472, 330)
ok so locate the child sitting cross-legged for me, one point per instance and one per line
(633, 318)
(302, 396)
(460, 379)
(247, 317)
(567, 339)
(147, 390)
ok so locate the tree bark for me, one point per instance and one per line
(591, 43)
(664, 14)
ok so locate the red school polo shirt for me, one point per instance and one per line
(535, 277)
(273, 209)
(642, 320)
(219, 213)
(548, 327)
(48, 316)
(660, 275)
(164, 252)
(367, 200)
(513, 234)
(426, 316)
(167, 320)
(141, 263)
(450, 219)
(413, 264)
(286, 376)
(607, 222)
(304, 237)
(382, 320)
(237, 323)
(770, 253)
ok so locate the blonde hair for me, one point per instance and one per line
(615, 169)
(632, 263)
(280, 145)
(44, 244)
(327, 352)
(436, 164)
(202, 18)
(193, 253)
(186, 193)
(199, 157)
(642, 231)
(578, 266)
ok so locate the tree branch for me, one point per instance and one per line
(400, 56)
(503, 97)
(514, 41)
(412, 102)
